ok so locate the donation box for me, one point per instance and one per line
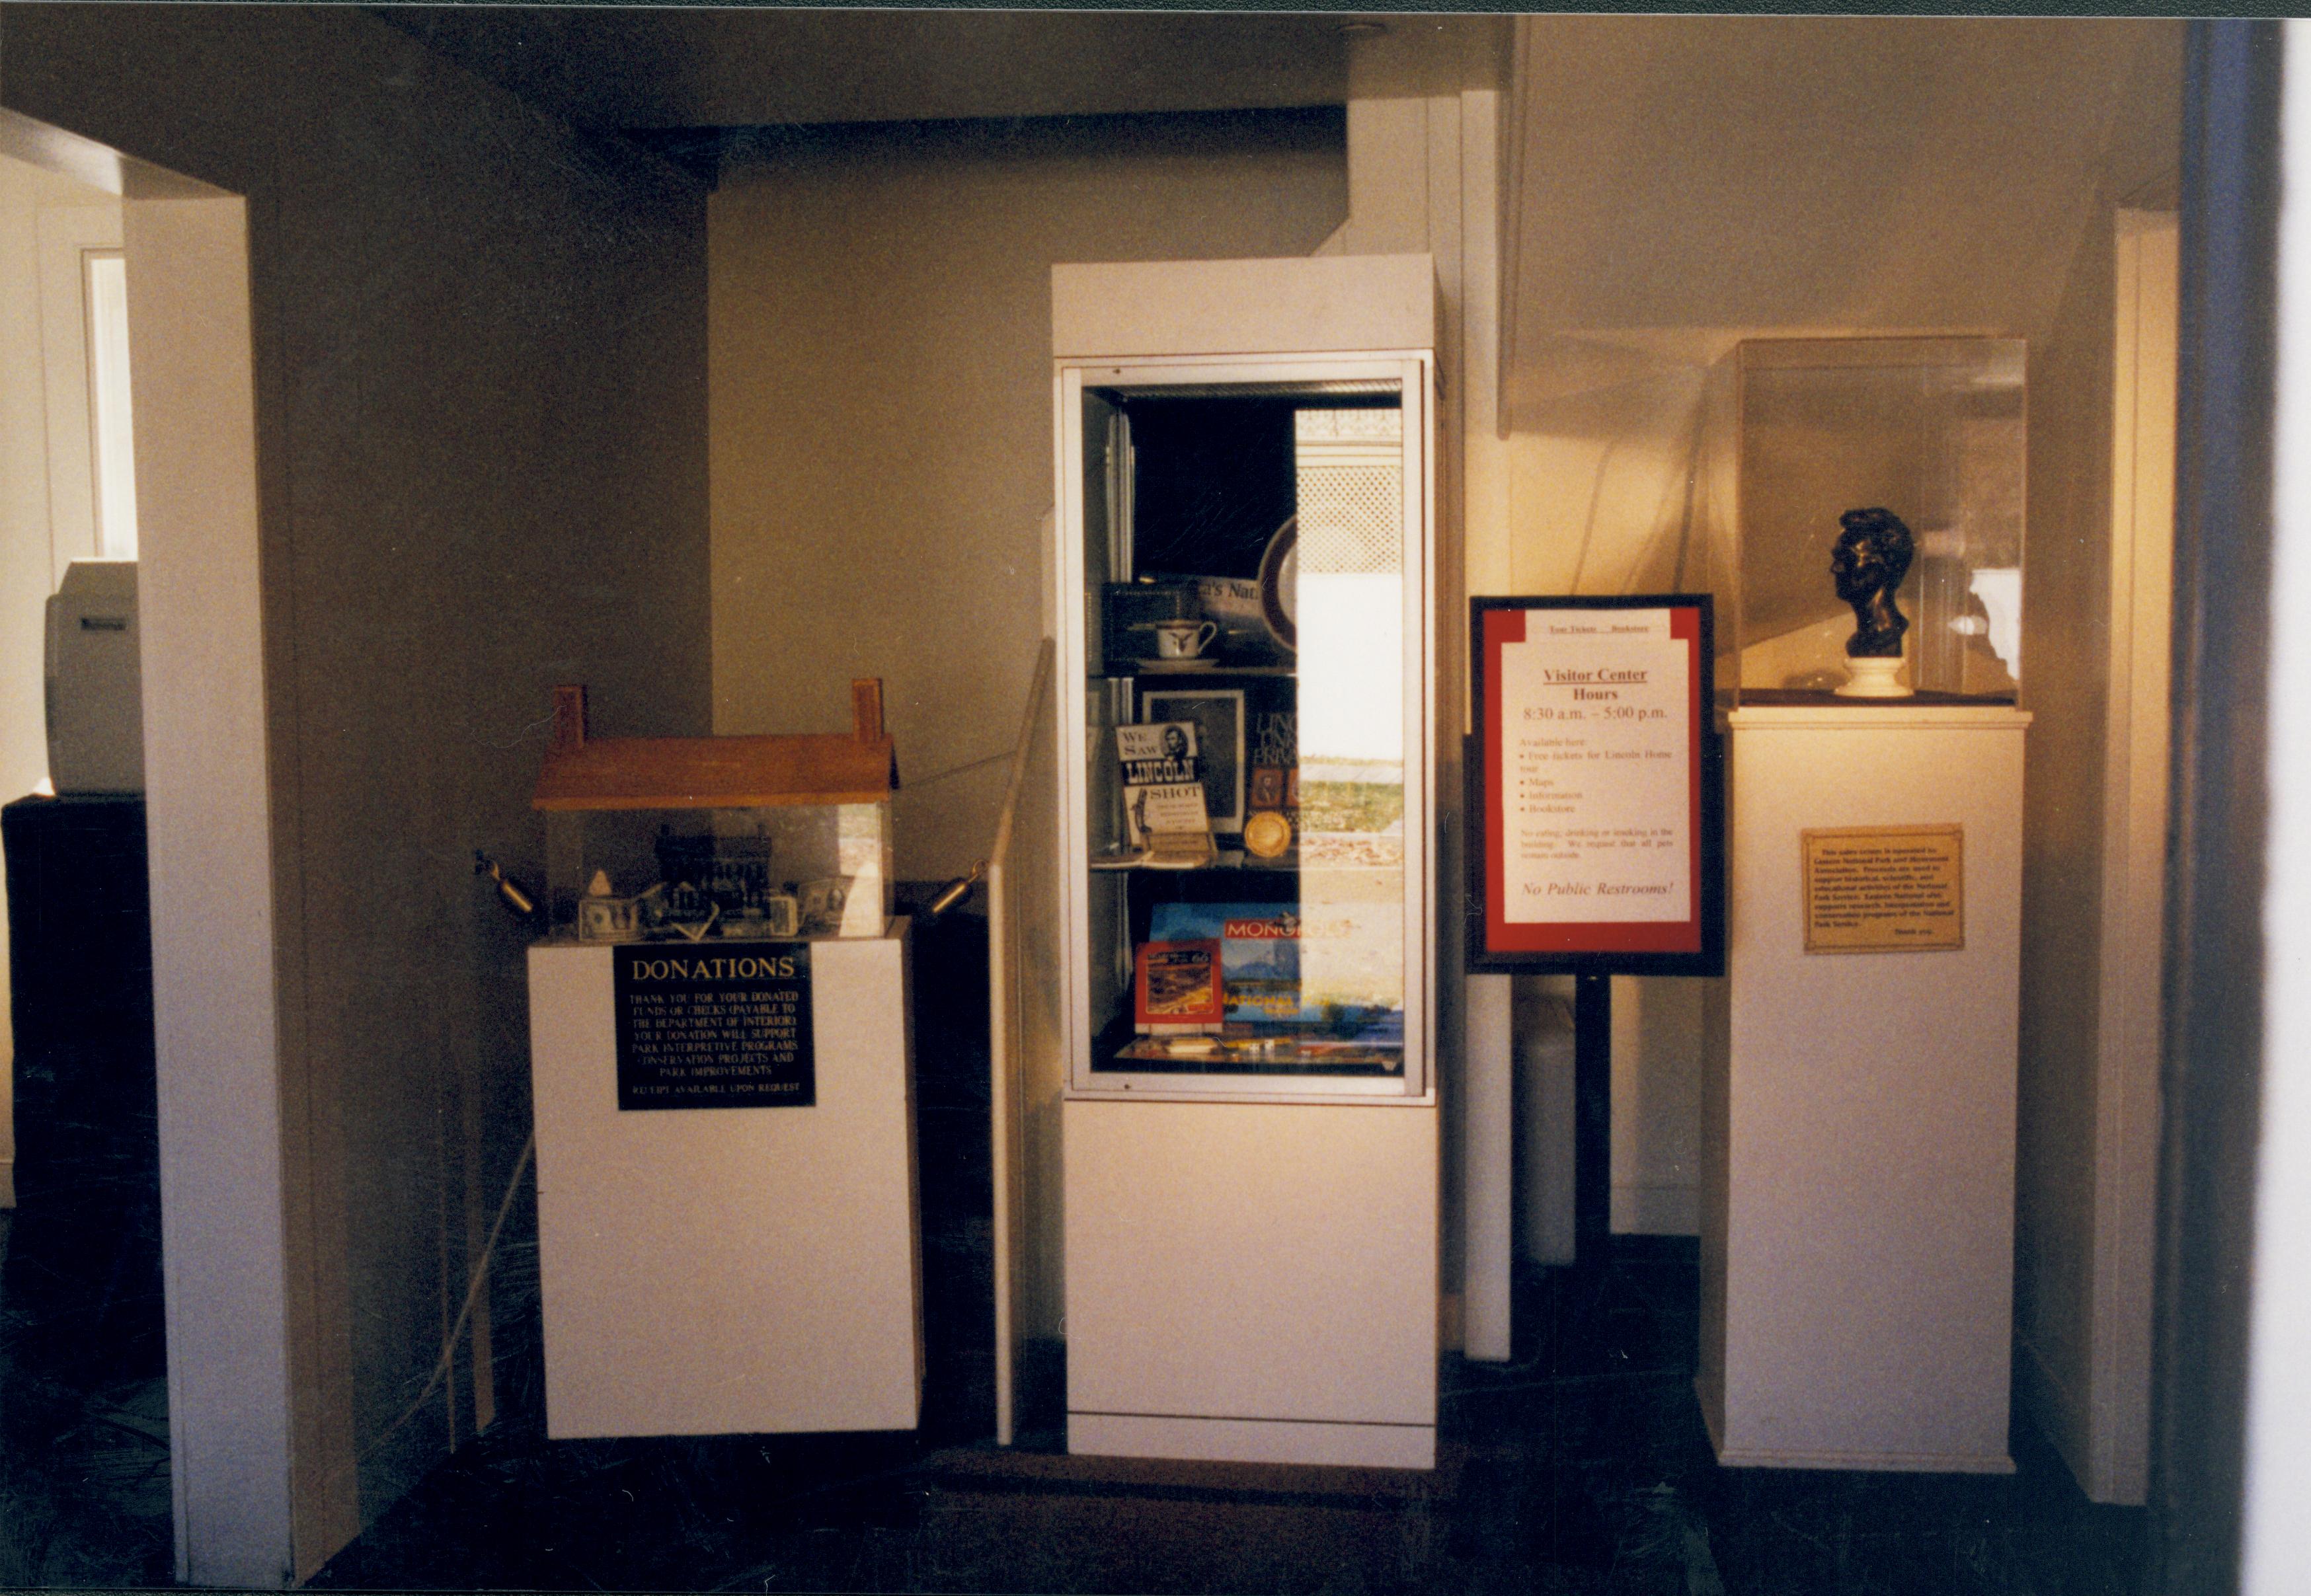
(722, 1076)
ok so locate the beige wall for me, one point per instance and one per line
(2087, 1135)
(1607, 412)
(480, 377)
(1605, 372)
(881, 432)
(23, 553)
(27, 512)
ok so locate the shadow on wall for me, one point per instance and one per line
(1603, 478)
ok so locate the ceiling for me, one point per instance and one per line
(1673, 183)
(1676, 182)
(633, 68)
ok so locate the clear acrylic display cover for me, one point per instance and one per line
(699, 839)
(1252, 899)
(767, 871)
(1803, 429)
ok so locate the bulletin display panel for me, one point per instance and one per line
(1601, 814)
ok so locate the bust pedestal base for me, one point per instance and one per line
(1872, 676)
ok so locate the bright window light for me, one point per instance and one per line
(112, 433)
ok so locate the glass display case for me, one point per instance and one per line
(1806, 433)
(700, 839)
(1246, 785)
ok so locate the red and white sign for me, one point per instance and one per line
(1595, 811)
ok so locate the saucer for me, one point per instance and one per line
(1201, 662)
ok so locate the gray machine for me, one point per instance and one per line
(95, 702)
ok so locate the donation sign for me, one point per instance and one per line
(1599, 794)
(710, 1026)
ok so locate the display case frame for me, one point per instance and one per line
(1091, 989)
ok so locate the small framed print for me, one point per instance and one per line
(1218, 716)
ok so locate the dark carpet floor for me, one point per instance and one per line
(1579, 1466)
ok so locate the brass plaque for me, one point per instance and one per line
(1885, 889)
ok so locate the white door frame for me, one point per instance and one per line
(233, 1265)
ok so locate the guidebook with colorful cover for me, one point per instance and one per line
(1177, 989)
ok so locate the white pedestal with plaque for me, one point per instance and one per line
(1858, 1185)
(730, 1269)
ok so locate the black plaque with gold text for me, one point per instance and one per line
(723, 1025)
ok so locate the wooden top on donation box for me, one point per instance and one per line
(581, 773)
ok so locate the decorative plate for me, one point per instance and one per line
(1279, 570)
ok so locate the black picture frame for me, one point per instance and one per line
(1217, 714)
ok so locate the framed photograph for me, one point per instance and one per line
(1218, 716)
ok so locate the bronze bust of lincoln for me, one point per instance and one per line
(1872, 556)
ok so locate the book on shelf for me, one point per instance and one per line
(1177, 988)
(1165, 814)
(1272, 749)
(1161, 753)
(1149, 812)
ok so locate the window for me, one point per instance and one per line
(111, 434)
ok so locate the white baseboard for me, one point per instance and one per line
(1918, 1462)
(1252, 1440)
(1713, 1418)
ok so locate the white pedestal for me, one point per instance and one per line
(1251, 1282)
(729, 1270)
(1858, 1189)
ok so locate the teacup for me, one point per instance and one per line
(1183, 640)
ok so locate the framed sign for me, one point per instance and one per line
(713, 1025)
(1885, 889)
(1601, 798)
